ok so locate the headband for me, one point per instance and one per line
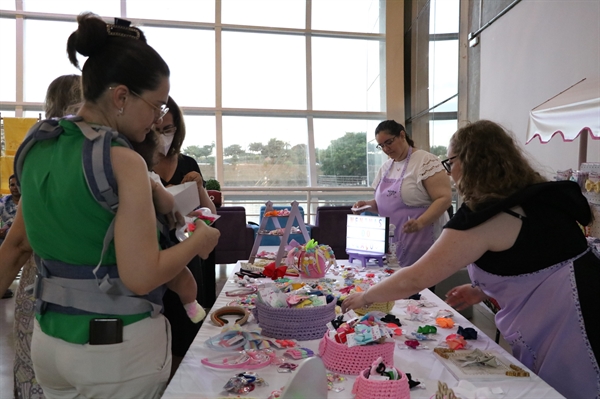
(215, 317)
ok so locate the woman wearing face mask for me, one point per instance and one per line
(175, 168)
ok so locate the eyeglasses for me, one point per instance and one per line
(447, 165)
(167, 130)
(162, 110)
(386, 143)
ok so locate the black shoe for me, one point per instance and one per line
(8, 294)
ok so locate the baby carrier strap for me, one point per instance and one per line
(74, 289)
(71, 293)
(97, 166)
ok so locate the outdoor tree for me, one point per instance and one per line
(346, 156)
(298, 154)
(234, 151)
(200, 154)
(276, 150)
(255, 147)
(439, 150)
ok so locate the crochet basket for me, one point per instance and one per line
(339, 358)
(302, 324)
(385, 307)
(375, 389)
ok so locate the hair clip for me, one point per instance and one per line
(244, 272)
(300, 353)
(215, 316)
(242, 291)
(240, 360)
(287, 367)
(122, 31)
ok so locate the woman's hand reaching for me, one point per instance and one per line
(463, 296)
(354, 301)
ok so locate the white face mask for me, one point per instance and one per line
(167, 139)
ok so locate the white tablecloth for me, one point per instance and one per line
(194, 380)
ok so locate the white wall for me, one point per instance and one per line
(536, 50)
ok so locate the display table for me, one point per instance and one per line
(194, 380)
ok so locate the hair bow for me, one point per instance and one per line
(592, 186)
(274, 272)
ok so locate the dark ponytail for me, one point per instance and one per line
(117, 54)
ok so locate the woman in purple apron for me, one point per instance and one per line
(520, 236)
(411, 189)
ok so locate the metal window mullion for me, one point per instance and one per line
(219, 166)
(20, 61)
(312, 158)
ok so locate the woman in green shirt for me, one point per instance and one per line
(125, 89)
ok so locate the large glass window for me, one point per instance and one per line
(347, 15)
(173, 10)
(45, 56)
(345, 73)
(253, 89)
(342, 149)
(190, 54)
(199, 143)
(276, 13)
(105, 8)
(263, 151)
(443, 74)
(264, 71)
(8, 63)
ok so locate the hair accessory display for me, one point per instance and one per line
(455, 341)
(467, 333)
(517, 371)
(274, 272)
(227, 341)
(390, 318)
(243, 383)
(249, 360)
(444, 322)
(412, 343)
(215, 317)
(427, 329)
(391, 383)
(300, 353)
(340, 358)
(287, 367)
(311, 259)
(242, 291)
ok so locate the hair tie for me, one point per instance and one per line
(215, 317)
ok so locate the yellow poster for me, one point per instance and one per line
(14, 132)
(6, 170)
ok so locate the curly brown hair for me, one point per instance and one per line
(493, 165)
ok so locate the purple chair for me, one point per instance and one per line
(236, 238)
(330, 228)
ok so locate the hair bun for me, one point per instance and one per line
(90, 36)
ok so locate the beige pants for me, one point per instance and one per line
(136, 368)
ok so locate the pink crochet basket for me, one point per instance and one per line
(374, 389)
(339, 358)
(302, 324)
